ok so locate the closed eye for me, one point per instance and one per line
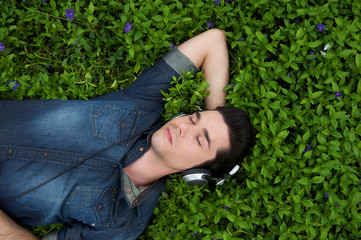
(191, 119)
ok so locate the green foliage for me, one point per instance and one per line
(186, 95)
(302, 179)
(43, 230)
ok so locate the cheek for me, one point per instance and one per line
(189, 151)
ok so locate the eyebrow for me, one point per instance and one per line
(205, 131)
(207, 137)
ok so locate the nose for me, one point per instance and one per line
(185, 128)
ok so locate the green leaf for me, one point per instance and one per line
(283, 134)
(347, 52)
(358, 61)
(131, 53)
(277, 180)
(321, 139)
(307, 203)
(86, 46)
(303, 181)
(317, 179)
(260, 37)
(248, 30)
(316, 94)
(231, 217)
(270, 95)
(91, 7)
(296, 198)
(158, 18)
(299, 33)
(315, 44)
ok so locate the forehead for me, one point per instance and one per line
(217, 128)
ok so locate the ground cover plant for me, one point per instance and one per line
(294, 66)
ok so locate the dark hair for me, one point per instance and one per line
(241, 136)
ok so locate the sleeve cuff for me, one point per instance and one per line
(178, 61)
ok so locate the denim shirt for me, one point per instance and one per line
(97, 200)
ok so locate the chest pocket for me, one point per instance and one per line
(114, 123)
(92, 205)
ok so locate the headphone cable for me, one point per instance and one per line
(76, 164)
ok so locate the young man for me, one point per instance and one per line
(50, 145)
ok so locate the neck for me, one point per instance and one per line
(146, 170)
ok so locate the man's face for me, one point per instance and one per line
(191, 140)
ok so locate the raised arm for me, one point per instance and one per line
(10, 230)
(209, 52)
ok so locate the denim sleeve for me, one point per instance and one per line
(146, 89)
(80, 231)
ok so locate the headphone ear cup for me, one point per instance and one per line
(196, 177)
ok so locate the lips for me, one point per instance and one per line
(168, 135)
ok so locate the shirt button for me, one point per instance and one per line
(141, 149)
(115, 166)
(93, 224)
(123, 124)
(128, 191)
(80, 159)
(127, 145)
(45, 155)
(100, 207)
(10, 151)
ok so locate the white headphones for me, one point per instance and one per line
(199, 177)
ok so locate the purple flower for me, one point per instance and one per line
(326, 195)
(217, 2)
(308, 148)
(2, 47)
(240, 40)
(321, 27)
(289, 74)
(226, 207)
(209, 24)
(15, 85)
(70, 14)
(195, 235)
(48, 66)
(171, 45)
(315, 105)
(338, 94)
(337, 205)
(310, 60)
(128, 27)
